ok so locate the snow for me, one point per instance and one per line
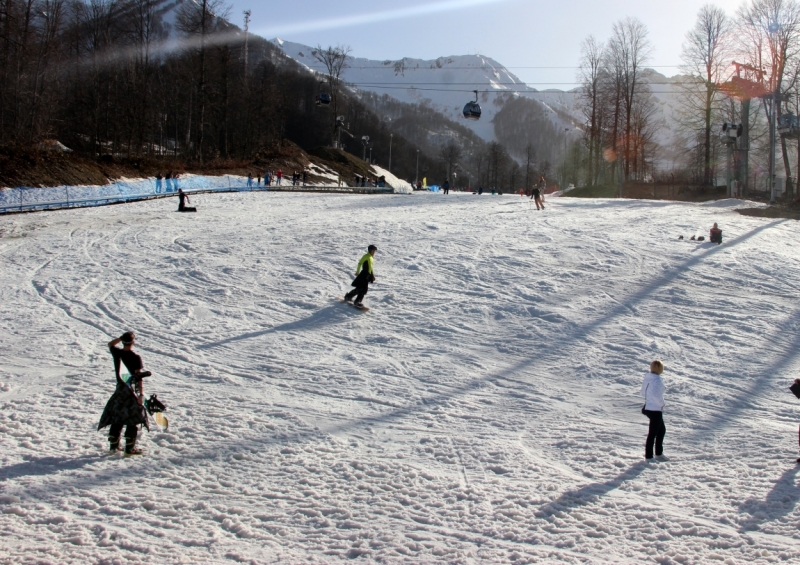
(485, 410)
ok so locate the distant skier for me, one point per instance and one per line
(365, 274)
(126, 405)
(446, 187)
(158, 183)
(278, 177)
(249, 180)
(653, 392)
(183, 198)
(536, 193)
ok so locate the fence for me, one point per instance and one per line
(26, 199)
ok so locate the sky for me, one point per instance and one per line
(519, 34)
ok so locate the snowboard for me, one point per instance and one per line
(161, 421)
(362, 308)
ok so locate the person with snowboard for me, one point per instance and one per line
(653, 393)
(126, 405)
(364, 275)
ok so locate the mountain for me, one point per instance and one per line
(444, 84)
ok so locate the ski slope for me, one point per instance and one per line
(485, 410)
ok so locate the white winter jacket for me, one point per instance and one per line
(653, 392)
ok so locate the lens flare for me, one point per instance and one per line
(374, 17)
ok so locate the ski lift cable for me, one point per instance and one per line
(504, 91)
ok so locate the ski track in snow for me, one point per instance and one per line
(485, 410)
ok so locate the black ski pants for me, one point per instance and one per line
(655, 435)
(130, 435)
(359, 291)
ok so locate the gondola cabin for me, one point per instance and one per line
(472, 110)
(323, 99)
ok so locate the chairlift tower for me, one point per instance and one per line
(748, 83)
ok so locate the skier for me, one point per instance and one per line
(158, 183)
(446, 187)
(126, 406)
(364, 275)
(278, 176)
(249, 180)
(183, 199)
(536, 193)
(653, 392)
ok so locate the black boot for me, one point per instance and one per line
(113, 444)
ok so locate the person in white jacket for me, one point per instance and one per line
(653, 393)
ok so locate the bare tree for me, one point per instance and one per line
(631, 49)
(450, 154)
(335, 61)
(590, 75)
(706, 57)
(201, 18)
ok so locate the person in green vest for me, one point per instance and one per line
(365, 274)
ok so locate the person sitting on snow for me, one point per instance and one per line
(715, 234)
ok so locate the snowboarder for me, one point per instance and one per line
(536, 194)
(653, 393)
(183, 199)
(364, 275)
(715, 234)
(126, 405)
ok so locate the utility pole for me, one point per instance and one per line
(391, 135)
(416, 176)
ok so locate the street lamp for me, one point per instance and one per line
(391, 135)
(364, 142)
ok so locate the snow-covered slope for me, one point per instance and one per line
(485, 410)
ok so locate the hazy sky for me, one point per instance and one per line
(517, 33)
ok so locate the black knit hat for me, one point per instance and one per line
(372, 248)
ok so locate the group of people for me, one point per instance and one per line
(363, 180)
(125, 408)
(270, 177)
(171, 181)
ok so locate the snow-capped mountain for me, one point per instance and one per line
(445, 84)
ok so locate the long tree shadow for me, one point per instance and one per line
(577, 337)
(744, 397)
(780, 501)
(327, 316)
(590, 493)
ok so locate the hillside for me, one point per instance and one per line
(485, 410)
